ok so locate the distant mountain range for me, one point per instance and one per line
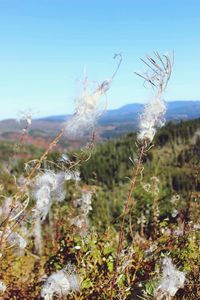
(113, 123)
(176, 110)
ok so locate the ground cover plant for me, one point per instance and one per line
(118, 220)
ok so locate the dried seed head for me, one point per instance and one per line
(60, 283)
(171, 282)
(158, 75)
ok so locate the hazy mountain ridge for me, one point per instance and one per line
(175, 110)
(113, 123)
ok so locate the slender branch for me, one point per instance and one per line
(29, 177)
(126, 206)
(6, 224)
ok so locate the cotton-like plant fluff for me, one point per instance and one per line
(15, 240)
(37, 233)
(88, 106)
(60, 283)
(88, 110)
(81, 221)
(151, 118)
(25, 117)
(2, 287)
(172, 281)
(84, 203)
(157, 76)
(49, 187)
(72, 175)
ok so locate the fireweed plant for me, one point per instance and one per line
(87, 111)
(157, 75)
(46, 186)
(85, 261)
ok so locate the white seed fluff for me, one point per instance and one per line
(88, 110)
(172, 281)
(2, 287)
(49, 187)
(60, 283)
(84, 203)
(151, 118)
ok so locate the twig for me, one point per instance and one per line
(126, 206)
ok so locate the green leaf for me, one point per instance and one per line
(86, 284)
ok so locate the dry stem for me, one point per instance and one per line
(29, 177)
(126, 206)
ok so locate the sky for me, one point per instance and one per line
(46, 47)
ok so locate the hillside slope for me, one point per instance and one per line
(112, 124)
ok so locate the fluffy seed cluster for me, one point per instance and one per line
(81, 221)
(49, 187)
(87, 111)
(84, 203)
(151, 118)
(26, 117)
(15, 240)
(157, 75)
(60, 284)
(2, 287)
(172, 280)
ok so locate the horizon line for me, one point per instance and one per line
(110, 109)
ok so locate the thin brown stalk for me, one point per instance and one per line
(50, 147)
(6, 224)
(102, 90)
(125, 211)
(28, 178)
(157, 76)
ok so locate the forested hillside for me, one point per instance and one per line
(163, 215)
(175, 145)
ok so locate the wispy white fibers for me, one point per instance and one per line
(151, 118)
(15, 240)
(157, 76)
(2, 287)
(87, 111)
(48, 188)
(37, 234)
(45, 185)
(89, 107)
(25, 117)
(72, 175)
(84, 203)
(172, 280)
(81, 221)
(6, 207)
(60, 284)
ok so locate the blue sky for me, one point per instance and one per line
(45, 45)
